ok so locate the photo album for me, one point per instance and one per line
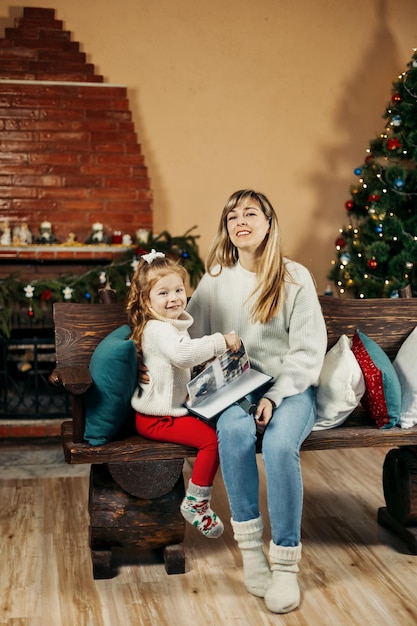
(224, 381)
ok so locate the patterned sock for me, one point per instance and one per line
(195, 508)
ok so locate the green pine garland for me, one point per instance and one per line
(84, 287)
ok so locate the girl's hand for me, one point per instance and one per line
(233, 342)
(263, 414)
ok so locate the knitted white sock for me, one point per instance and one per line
(256, 572)
(283, 594)
(195, 508)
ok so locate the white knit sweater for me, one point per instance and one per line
(169, 354)
(290, 348)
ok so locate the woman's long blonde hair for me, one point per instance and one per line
(270, 268)
(144, 278)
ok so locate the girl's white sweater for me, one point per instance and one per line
(169, 354)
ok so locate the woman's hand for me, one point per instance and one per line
(233, 342)
(143, 376)
(263, 414)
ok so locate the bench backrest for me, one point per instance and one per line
(388, 321)
(80, 327)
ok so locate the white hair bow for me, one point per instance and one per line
(152, 255)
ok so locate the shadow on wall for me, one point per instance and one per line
(365, 97)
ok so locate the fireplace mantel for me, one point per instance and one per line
(53, 253)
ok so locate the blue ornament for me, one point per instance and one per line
(394, 294)
(378, 229)
(345, 258)
(396, 120)
(87, 295)
(357, 171)
(185, 254)
(399, 184)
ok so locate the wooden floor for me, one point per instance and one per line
(352, 572)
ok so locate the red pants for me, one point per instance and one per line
(189, 431)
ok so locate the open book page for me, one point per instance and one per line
(216, 374)
(224, 380)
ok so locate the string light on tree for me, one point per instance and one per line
(376, 252)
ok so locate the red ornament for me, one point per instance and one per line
(373, 197)
(349, 205)
(340, 242)
(30, 312)
(46, 294)
(369, 158)
(392, 144)
(372, 264)
(396, 97)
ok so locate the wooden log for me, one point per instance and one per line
(118, 519)
(400, 485)
(147, 479)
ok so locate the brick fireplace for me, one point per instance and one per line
(69, 154)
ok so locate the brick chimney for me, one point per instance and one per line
(69, 153)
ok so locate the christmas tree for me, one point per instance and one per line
(377, 250)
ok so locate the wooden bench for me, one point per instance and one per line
(136, 485)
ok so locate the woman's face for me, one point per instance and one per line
(247, 225)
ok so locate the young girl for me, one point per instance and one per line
(156, 310)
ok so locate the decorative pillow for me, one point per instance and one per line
(341, 385)
(113, 368)
(405, 364)
(382, 398)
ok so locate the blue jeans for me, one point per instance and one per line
(292, 421)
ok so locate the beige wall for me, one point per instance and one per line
(277, 95)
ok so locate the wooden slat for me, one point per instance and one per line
(387, 321)
(133, 448)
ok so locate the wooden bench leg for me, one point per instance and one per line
(102, 564)
(174, 559)
(400, 490)
(119, 519)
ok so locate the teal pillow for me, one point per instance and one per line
(113, 368)
(382, 397)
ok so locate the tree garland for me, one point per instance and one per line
(35, 298)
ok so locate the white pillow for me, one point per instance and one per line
(405, 364)
(341, 385)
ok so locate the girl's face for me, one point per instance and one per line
(247, 225)
(167, 297)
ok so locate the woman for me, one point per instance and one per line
(271, 303)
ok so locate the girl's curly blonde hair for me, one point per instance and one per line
(144, 278)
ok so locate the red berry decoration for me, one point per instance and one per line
(396, 97)
(349, 205)
(373, 197)
(372, 264)
(340, 242)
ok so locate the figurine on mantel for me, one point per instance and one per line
(97, 234)
(5, 237)
(22, 236)
(45, 234)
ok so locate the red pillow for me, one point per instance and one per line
(382, 398)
